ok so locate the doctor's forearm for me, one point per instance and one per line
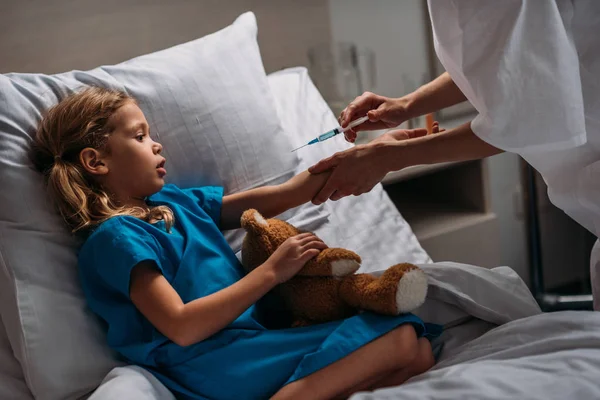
(440, 93)
(458, 144)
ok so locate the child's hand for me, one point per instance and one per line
(293, 254)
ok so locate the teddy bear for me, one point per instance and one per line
(328, 288)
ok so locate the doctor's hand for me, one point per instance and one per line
(405, 134)
(355, 171)
(383, 113)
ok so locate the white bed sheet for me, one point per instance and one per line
(547, 356)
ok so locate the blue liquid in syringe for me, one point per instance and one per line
(325, 136)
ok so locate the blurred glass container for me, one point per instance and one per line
(341, 71)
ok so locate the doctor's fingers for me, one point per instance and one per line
(350, 189)
(436, 128)
(325, 192)
(337, 195)
(344, 185)
(350, 136)
(359, 107)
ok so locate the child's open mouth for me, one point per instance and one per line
(160, 168)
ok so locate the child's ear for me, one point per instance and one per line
(93, 161)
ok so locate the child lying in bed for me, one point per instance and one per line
(156, 268)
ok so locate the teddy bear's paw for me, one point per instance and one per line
(332, 262)
(344, 267)
(412, 288)
(343, 262)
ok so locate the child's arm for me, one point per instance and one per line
(271, 200)
(192, 322)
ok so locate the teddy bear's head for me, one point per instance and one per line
(264, 236)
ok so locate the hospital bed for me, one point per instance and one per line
(496, 343)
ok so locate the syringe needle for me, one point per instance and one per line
(298, 148)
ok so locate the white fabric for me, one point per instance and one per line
(553, 356)
(209, 104)
(131, 382)
(12, 382)
(532, 70)
(460, 292)
(469, 301)
(516, 63)
(496, 295)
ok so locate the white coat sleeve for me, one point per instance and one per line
(516, 63)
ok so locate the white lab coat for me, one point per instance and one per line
(531, 68)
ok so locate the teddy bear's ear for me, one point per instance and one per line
(252, 221)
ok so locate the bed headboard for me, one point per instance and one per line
(60, 35)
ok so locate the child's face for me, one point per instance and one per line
(135, 168)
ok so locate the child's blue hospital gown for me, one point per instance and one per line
(245, 360)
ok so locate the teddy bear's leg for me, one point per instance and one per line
(314, 300)
(402, 288)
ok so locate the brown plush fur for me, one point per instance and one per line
(316, 294)
(364, 291)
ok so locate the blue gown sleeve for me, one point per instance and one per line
(209, 198)
(111, 254)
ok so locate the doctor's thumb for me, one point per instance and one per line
(377, 114)
(373, 115)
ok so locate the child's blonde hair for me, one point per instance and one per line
(77, 122)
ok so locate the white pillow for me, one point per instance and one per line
(208, 103)
(12, 383)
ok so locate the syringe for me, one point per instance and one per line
(336, 131)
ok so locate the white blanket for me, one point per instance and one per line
(547, 356)
(530, 356)
(457, 291)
